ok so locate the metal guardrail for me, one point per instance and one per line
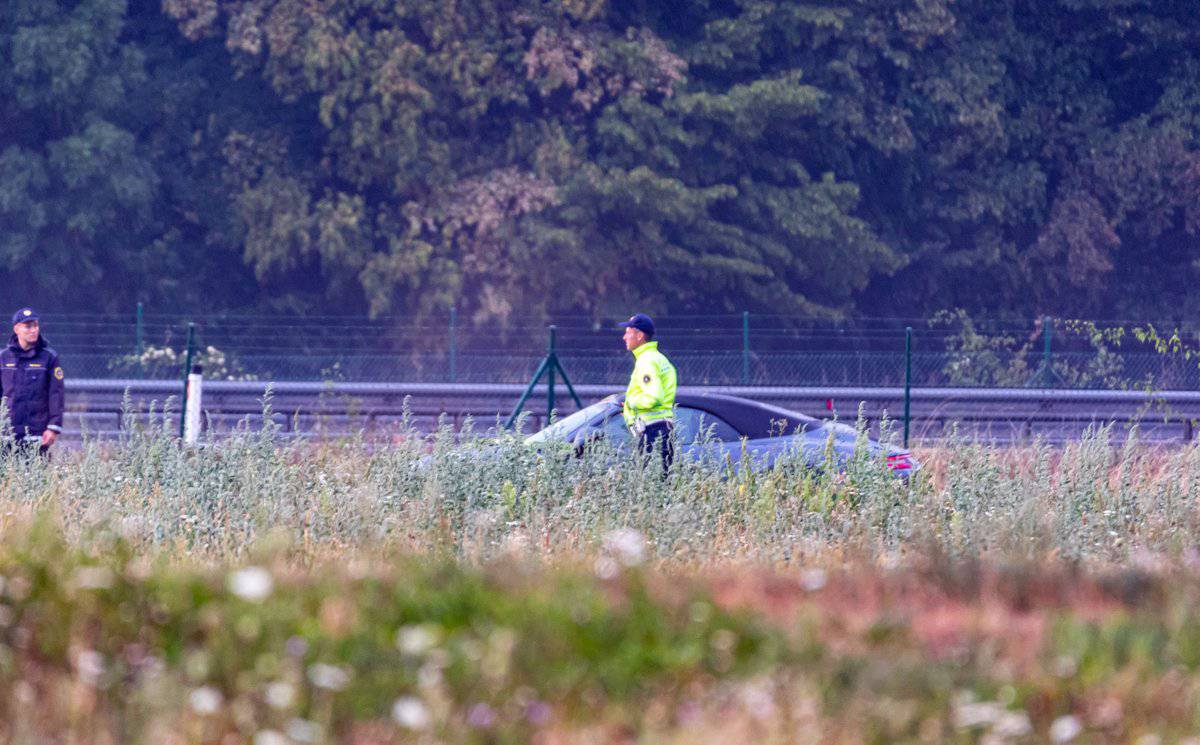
(1006, 415)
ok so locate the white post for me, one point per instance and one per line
(195, 394)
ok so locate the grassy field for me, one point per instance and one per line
(438, 590)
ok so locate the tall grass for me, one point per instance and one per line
(399, 592)
(478, 494)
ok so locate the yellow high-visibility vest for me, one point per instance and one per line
(650, 396)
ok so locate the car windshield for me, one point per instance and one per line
(563, 427)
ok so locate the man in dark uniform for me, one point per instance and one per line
(31, 382)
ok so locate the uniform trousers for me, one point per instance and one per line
(656, 437)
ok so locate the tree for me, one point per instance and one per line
(103, 193)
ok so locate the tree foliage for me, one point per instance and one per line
(517, 157)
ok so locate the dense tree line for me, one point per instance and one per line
(877, 157)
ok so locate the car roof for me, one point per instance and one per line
(750, 418)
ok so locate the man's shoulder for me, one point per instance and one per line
(48, 353)
(649, 358)
(656, 357)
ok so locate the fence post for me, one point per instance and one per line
(137, 334)
(453, 344)
(187, 366)
(551, 354)
(1044, 376)
(195, 394)
(907, 381)
(1046, 351)
(745, 347)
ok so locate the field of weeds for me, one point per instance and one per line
(468, 589)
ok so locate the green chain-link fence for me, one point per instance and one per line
(950, 349)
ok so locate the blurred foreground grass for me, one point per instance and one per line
(109, 645)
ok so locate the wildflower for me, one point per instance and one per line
(24, 693)
(302, 730)
(280, 695)
(626, 545)
(723, 640)
(90, 666)
(481, 716)
(93, 578)
(296, 646)
(270, 737)
(1065, 666)
(429, 675)
(813, 579)
(688, 713)
(969, 715)
(537, 713)
(607, 568)
(410, 713)
(757, 701)
(329, 677)
(416, 640)
(205, 700)
(1065, 729)
(251, 583)
(1012, 724)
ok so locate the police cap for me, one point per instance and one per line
(24, 314)
(641, 322)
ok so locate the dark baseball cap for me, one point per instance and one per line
(24, 314)
(641, 322)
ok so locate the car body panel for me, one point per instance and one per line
(728, 429)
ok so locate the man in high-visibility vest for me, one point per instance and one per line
(649, 407)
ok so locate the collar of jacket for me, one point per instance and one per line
(15, 346)
(637, 352)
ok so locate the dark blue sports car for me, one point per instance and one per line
(717, 427)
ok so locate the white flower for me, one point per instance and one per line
(813, 579)
(329, 677)
(280, 695)
(607, 568)
(1065, 729)
(93, 578)
(416, 640)
(758, 701)
(970, 715)
(410, 713)
(1012, 724)
(270, 737)
(626, 545)
(251, 583)
(24, 693)
(90, 666)
(302, 730)
(429, 676)
(205, 700)
(1065, 666)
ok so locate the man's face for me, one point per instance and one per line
(27, 333)
(634, 338)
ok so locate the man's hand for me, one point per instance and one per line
(48, 438)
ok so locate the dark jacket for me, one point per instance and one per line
(31, 383)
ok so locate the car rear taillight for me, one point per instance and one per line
(900, 461)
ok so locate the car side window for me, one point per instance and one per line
(692, 425)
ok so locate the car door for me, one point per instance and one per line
(704, 436)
